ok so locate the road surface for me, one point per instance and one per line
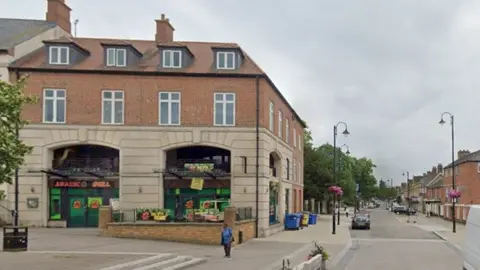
(394, 245)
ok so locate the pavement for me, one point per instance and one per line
(394, 244)
(84, 249)
(295, 246)
(440, 227)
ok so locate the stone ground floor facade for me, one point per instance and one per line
(137, 178)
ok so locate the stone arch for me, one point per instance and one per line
(62, 144)
(275, 164)
(222, 156)
(187, 144)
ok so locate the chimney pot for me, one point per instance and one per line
(164, 30)
(59, 13)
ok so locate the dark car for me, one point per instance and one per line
(361, 221)
(404, 210)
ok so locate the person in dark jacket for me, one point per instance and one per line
(227, 239)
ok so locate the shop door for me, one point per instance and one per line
(93, 206)
(77, 217)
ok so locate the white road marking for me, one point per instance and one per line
(92, 252)
(176, 260)
(140, 261)
(398, 240)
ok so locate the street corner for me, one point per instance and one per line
(336, 257)
(76, 260)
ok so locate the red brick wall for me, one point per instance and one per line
(84, 97)
(469, 179)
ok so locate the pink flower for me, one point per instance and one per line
(454, 194)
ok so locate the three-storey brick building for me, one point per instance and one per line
(467, 181)
(155, 124)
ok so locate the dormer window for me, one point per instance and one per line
(172, 59)
(59, 55)
(116, 57)
(225, 60)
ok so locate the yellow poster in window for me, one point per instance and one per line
(197, 183)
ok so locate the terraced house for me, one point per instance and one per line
(467, 181)
(155, 123)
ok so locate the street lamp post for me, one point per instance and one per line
(345, 132)
(408, 195)
(348, 153)
(452, 123)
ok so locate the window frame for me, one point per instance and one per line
(280, 124)
(287, 131)
(113, 99)
(115, 57)
(225, 63)
(224, 101)
(59, 55)
(172, 62)
(271, 113)
(288, 169)
(55, 99)
(169, 101)
(294, 137)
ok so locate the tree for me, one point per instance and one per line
(318, 172)
(12, 149)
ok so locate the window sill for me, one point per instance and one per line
(54, 123)
(219, 125)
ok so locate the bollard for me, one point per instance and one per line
(240, 237)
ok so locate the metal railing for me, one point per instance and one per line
(217, 166)
(111, 165)
(244, 213)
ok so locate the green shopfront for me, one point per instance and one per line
(78, 201)
(82, 178)
(197, 183)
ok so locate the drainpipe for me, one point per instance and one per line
(15, 212)
(257, 156)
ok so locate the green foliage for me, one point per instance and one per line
(318, 172)
(385, 192)
(12, 149)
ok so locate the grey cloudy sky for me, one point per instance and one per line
(387, 68)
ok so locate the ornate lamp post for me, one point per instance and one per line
(348, 153)
(346, 133)
(454, 229)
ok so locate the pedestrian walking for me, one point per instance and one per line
(227, 239)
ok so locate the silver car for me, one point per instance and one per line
(361, 221)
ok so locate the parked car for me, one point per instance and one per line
(361, 221)
(401, 209)
(471, 257)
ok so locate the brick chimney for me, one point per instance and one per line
(59, 13)
(434, 170)
(164, 30)
(439, 168)
(462, 153)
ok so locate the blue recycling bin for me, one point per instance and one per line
(292, 222)
(312, 219)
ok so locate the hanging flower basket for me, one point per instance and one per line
(454, 194)
(335, 190)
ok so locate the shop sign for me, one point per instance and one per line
(197, 183)
(152, 214)
(82, 184)
(199, 167)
